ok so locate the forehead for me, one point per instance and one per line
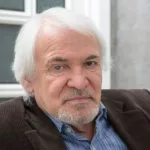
(53, 40)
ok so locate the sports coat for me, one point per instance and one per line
(26, 127)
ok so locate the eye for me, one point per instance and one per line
(90, 63)
(58, 69)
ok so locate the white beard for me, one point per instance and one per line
(77, 118)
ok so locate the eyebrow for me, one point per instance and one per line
(56, 59)
(59, 59)
(91, 57)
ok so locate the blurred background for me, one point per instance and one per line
(125, 26)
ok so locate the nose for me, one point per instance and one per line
(78, 80)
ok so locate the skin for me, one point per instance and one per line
(66, 61)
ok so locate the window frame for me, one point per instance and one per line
(18, 17)
(15, 18)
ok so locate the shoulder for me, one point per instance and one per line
(11, 120)
(11, 110)
(139, 98)
(11, 107)
(136, 95)
(127, 93)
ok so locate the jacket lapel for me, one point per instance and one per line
(43, 135)
(130, 123)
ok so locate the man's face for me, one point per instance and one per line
(68, 75)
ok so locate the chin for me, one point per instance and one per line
(80, 116)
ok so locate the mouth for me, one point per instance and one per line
(78, 100)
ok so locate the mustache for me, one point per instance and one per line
(76, 92)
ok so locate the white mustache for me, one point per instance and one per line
(75, 92)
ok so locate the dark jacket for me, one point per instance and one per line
(24, 127)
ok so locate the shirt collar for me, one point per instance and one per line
(60, 124)
(102, 111)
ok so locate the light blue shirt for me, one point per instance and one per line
(105, 137)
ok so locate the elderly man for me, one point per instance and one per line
(58, 60)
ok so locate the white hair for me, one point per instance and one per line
(23, 65)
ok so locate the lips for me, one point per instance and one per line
(78, 99)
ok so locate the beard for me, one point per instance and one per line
(81, 115)
(77, 114)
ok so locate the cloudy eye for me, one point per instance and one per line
(58, 67)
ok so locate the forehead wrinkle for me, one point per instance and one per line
(58, 37)
(46, 38)
(56, 42)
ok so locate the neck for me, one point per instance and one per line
(86, 130)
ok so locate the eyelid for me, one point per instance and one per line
(60, 65)
(94, 61)
(53, 71)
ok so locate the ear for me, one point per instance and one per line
(28, 85)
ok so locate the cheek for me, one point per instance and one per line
(54, 86)
(50, 93)
(96, 80)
